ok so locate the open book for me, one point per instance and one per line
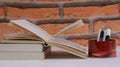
(22, 38)
(64, 44)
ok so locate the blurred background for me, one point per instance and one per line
(111, 10)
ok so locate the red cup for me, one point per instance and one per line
(102, 49)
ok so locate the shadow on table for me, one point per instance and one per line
(61, 55)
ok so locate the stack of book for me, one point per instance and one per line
(24, 51)
(35, 51)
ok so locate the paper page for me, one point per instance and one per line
(74, 25)
(22, 41)
(68, 43)
(21, 36)
(32, 28)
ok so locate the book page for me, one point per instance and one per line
(32, 28)
(68, 43)
(21, 36)
(72, 26)
(22, 41)
(69, 46)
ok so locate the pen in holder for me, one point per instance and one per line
(102, 48)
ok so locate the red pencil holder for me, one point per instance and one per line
(102, 49)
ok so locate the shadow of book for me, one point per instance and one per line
(61, 55)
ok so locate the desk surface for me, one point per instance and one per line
(61, 59)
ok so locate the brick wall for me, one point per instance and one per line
(70, 12)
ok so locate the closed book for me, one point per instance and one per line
(25, 47)
(25, 55)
